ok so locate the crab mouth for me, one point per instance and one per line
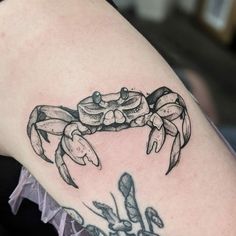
(115, 127)
(114, 117)
(114, 120)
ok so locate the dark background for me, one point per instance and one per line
(184, 42)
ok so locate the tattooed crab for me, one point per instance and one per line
(109, 112)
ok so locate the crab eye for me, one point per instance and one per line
(97, 97)
(124, 93)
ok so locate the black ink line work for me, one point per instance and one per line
(109, 112)
(135, 224)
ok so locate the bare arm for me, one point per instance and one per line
(57, 53)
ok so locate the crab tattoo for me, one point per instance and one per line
(161, 111)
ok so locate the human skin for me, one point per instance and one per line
(58, 52)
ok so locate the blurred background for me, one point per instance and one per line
(198, 39)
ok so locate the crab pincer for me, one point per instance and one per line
(79, 149)
(157, 134)
(74, 145)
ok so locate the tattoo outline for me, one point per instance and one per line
(133, 226)
(109, 112)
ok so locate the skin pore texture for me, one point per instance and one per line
(58, 53)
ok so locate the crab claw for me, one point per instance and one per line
(156, 139)
(78, 148)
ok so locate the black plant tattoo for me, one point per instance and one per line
(161, 111)
(133, 225)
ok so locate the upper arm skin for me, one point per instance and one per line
(66, 51)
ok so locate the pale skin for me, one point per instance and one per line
(60, 52)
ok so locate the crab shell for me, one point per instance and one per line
(112, 110)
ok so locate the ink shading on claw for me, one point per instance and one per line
(109, 112)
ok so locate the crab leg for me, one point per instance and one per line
(166, 99)
(186, 128)
(40, 113)
(172, 106)
(154, 96)
(168, 106)
(52, 126)
(175, 153)
(172, 130)
(62, 168)
(37, 144)
(170, 111)
(38, 126)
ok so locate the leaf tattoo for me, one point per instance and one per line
(119, 226)
(126, 186)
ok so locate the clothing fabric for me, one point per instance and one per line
(52, 213)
